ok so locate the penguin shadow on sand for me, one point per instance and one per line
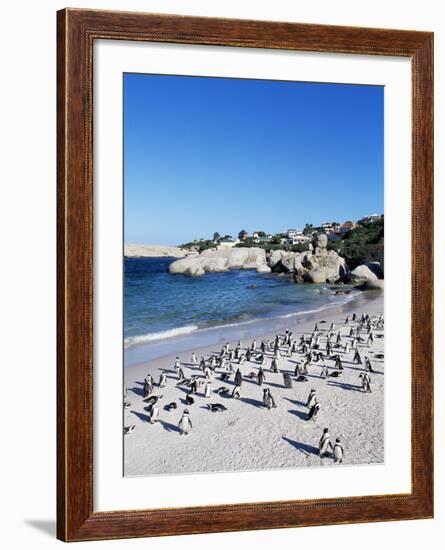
(172, 371)
(345, 386)
(137, 391)
(274, 385)
(168, 426)
(250, 401)
(303, 447)
(295, 402)
(298, 414)
(141, 416)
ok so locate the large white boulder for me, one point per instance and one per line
(366, 272)
(212, 261)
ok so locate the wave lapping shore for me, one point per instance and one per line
(235, 429)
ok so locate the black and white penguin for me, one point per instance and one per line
(261, 377)
(171, 406)
(287, 380)
(153, 399)
(338, 451)
(216, 407)
(311, 400)
(325, 443)
(313, 411)
(148, 386)
(335, 374)
(207, 389)
(162, 380)
(366, 382)
(268, 400)
(238, 378)
(189, 400)
(185, 424)
(338, 363)
(368, 365)
(154, 413)
(273, 365)
(129, 429)
(236, 392)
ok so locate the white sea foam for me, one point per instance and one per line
(181, 331)
(162, 335)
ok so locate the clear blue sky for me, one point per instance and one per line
(215, 154)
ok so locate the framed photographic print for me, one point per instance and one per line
(245, 231)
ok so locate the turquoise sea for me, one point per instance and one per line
(162, 309)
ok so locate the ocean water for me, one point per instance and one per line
(160, 307)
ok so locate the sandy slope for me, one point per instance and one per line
(248, 436)
(152, 251)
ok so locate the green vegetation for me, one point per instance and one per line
(200, 245)
(362, 244)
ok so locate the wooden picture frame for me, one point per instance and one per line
(77, 31)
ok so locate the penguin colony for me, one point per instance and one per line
(325, 354)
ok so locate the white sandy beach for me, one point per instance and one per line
(248, 436)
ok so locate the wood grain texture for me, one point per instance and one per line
(76, 31)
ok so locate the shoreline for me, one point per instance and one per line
(260, 327)
(247, 436)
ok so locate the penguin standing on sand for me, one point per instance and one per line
(287, 380)
(194, 359)
(328, 348)
(338, 451)
(273, 365)
(268, 400)
(181, 375)
(368, 365)
(324, 371)
(238, 378)
(325, 443)
(154, 413)
(207, 371)
(162, 380)
(366, 382)
(185, 424)
(177, 363)
(311, 400)
(148, 385)
(338, 363)
(236, 393)
(261, 377)
(313, 411)
(357, 358)
(207, 389)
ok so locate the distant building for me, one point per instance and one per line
(243, 235)
(371, 218)
(227, 243)
(347, 226)
(293, 233)
(299, 239)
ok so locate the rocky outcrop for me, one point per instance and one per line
(317, 265)
(366, 272)
(212, 261)
(152, 251)
(377, 284)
